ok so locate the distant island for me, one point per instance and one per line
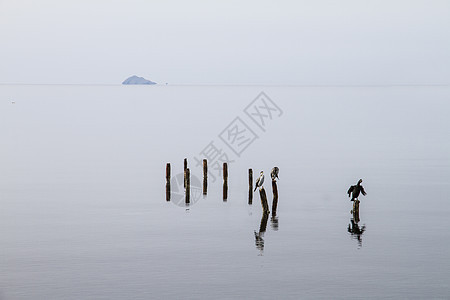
(137, 80)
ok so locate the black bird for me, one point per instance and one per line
(355, 190)
(274, 173)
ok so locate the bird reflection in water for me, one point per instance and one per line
(353, 228)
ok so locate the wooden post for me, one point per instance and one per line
(225, 172)
(250, 186)
(263, 196)
(355, 211)
(275, 198)
(167, 191)
(185, 168)
(225, 181)
(188, 186)
(168, 173)
(205, 176)
(168, 182)
(355, 207)
(225, 191)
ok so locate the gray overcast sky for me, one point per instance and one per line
(225, 42)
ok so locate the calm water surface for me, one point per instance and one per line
(83, 211)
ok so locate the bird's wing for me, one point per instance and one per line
(350, 190)
(363, 191)
(262, 180)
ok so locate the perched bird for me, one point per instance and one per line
(274, 173)
(355, 190)
(259, 181)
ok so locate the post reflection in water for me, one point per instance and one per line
(274, 218)
(353, 228)
(274, 222)
(259, 241)
(259, 236)
(168, 191)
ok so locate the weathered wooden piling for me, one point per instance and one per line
(263, 196)
(225, 191)
(275, 198)
(355, 211)
(205, 176)
(225, 172)
(263, 225)
(168, 173)
(188, 186)
(250, 186)
(225, 181)
(185, 168)
(168, 182)
(355, 207)
(167, 191)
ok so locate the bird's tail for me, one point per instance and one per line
(255, 188)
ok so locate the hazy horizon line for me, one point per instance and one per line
(237, 85)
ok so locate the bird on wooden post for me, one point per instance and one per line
(259, 181)
(354, 190)
(274, 173)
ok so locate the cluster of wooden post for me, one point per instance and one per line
(262, 192)
(187, 180)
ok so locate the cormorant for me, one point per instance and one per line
(274, 173)
(355, 190)
(259, 181)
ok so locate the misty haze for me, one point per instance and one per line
(314, 96)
